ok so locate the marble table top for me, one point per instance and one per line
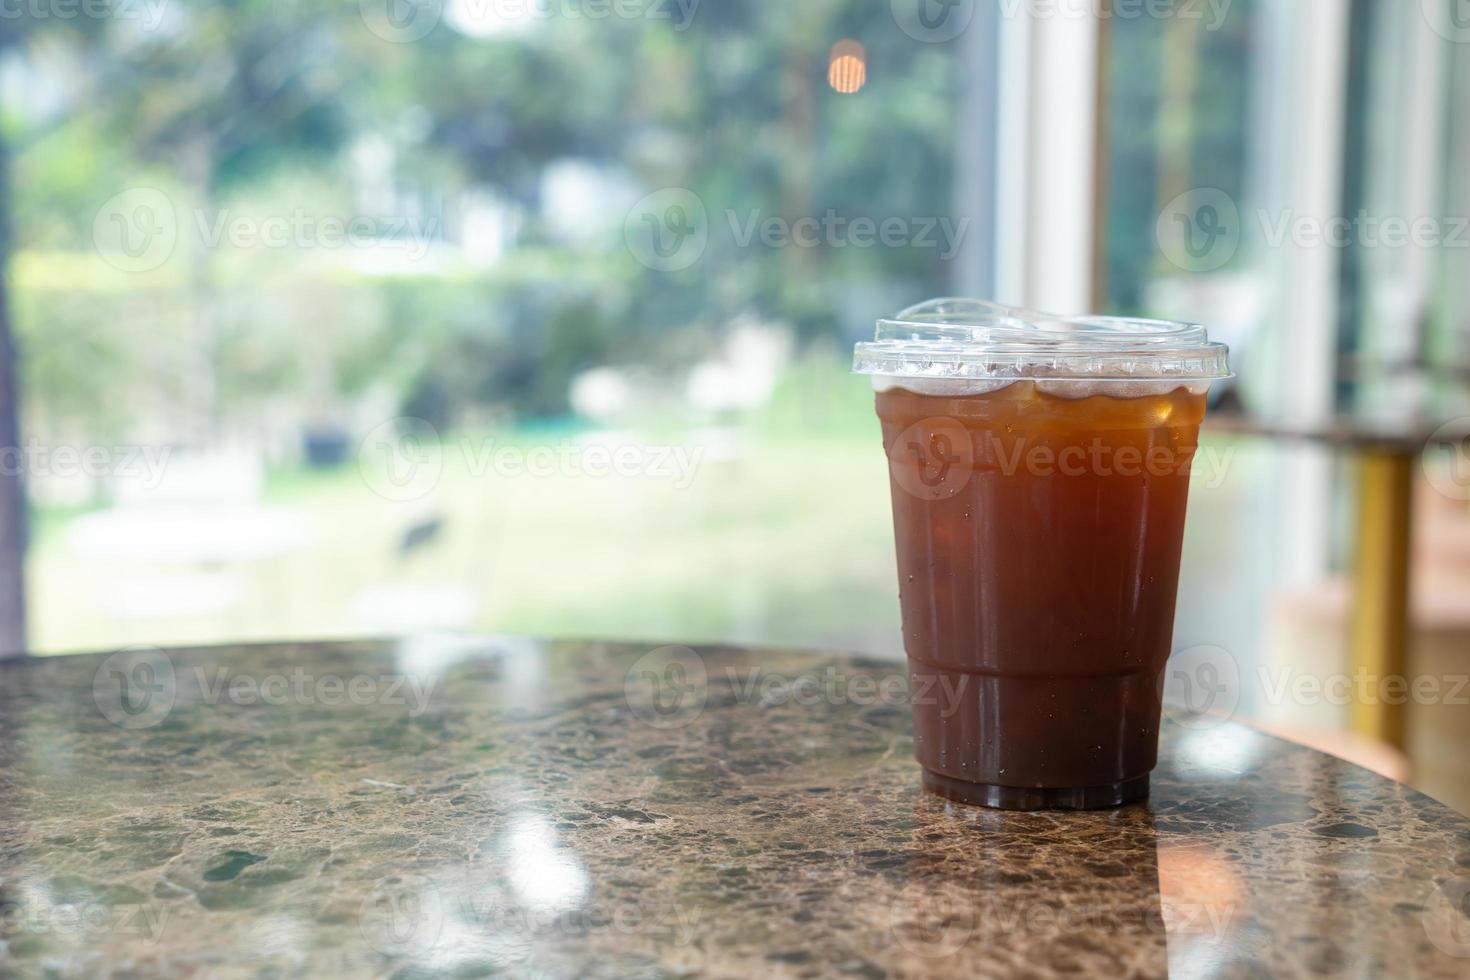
(439, 806)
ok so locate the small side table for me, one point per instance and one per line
(1384, 456)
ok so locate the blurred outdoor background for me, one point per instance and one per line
(340, 318)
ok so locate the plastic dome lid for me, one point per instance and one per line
(966, 339)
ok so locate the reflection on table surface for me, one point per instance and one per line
(464, 806)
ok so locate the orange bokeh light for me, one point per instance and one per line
(847, 69)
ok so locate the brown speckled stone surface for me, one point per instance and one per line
(502, 806)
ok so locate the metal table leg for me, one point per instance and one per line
(1380, 620)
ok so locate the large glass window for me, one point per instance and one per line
(516, 316)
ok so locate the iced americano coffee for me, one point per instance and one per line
(1039, 469)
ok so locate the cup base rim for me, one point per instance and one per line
(997, 797)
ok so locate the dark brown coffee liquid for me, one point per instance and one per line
(1038, 561)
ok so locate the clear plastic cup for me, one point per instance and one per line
(1039, 468)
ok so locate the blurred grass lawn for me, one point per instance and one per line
(785, 538)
